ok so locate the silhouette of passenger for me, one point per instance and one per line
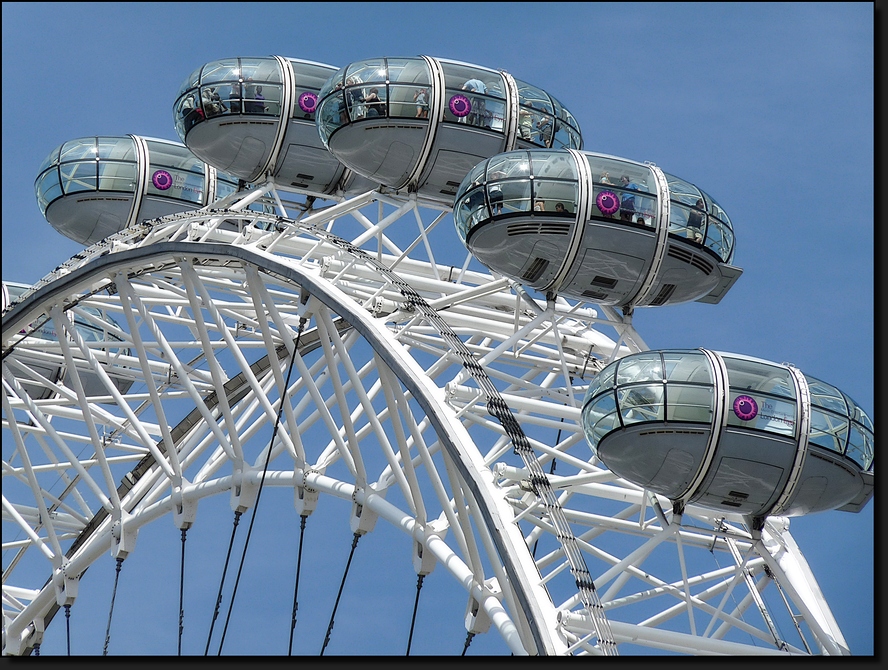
(695, 221)
(477, 113)
(544, 127)
(375, 106)
(421, 98)
(627, 202)
(234, 99)
(212, 102)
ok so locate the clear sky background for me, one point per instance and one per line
(769, 107)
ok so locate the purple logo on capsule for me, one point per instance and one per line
(308, 102)
(162, 180)
(460, 105)
(745, 408)
(607, 202)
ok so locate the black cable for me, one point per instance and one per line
(415, 606)
(302, 519)
(181, 593)
(111, 610)
(274, 432)
(237, 516)
(68, 626)
(336, 604)
(468, 642)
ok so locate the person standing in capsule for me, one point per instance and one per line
(476, 114)
(695, 220)
(375, 106)
(421, 98)
(627, 202)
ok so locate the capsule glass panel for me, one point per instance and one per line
(605, 248)
(176, 181)
(232, 86)
(252, 117)
(861, 442)
(629, 417)
(376, 117)
(543, 121)
(473, 96)
(762, 396)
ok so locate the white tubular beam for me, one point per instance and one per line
(41, 419)
(234, 349)
(351, 448)
(127, 292)
(793, 572)
(189, 278)
(680, 643)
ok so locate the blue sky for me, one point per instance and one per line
(769, 107)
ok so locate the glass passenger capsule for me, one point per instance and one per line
(255, 117)
(93, 325)
(731, 433)
(419, 124)
(92, 187)
(597, 228)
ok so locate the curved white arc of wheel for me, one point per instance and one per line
(452, 434)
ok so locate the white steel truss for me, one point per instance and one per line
(424, 389)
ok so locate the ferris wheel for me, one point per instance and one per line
(318, 337)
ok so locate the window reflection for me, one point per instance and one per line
(517, 182)
(641, 403)
(117, 176)
(173, 172)
(78, 177)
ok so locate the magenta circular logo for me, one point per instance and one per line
(745, 408)
(607, 202)
(308, 102)
(460, 105)
(162, 180)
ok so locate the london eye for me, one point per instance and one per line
(373, 305)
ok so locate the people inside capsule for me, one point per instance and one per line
(370, 117)
(766, 439)
(254, 118)
(588, 225)
(92, 187)
(93, 325)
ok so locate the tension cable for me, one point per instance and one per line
(181, 592)
(237, 516)
(274, 432)
(68, 626)
(415, 606)
(469, 637)
(302, 519)
(111, 610)
(342, 583)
